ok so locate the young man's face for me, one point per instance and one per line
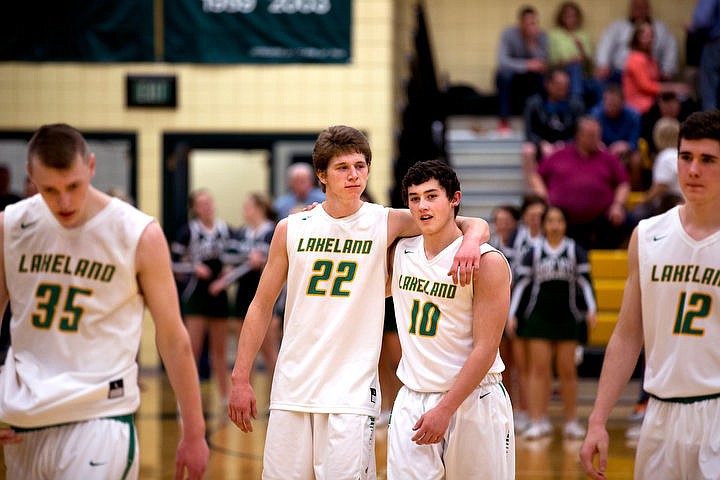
(699, 170)
(346, 176)
(64, 191)
(431, 207)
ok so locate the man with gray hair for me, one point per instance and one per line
(302, 190)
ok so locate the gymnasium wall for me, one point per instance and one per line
(368, 93)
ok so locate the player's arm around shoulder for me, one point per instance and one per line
(621, 355)
(242, 402)
(476, 231)
(157, 285)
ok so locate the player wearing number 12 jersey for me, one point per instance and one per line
(670, 305)
(325, 395)
(452, 418)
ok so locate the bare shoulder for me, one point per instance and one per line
(494, 269)
(152, 247)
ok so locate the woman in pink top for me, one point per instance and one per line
(641, 77)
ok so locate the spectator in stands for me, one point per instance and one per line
(620, 125)
(664, 193)
(302, 190)
(667, 104)
(522, 59)
(590, 185)
(570, 48)
(550, 119)
(614, 45)
(641, 79)
(553, 277)
(706, 22)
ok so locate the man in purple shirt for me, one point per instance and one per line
(590, 184)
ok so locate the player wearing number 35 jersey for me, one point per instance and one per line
(78, 268)
(452, 418)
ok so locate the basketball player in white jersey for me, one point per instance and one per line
(78, 267)
(325, 394)
(452, 418)
(670, 305)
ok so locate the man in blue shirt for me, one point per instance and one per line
(302, 190)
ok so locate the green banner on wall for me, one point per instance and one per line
(257, 31)
(78, 31)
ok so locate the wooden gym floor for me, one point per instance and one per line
(234, 455)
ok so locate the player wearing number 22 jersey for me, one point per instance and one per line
(336, 272)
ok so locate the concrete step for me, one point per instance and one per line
(480, 180)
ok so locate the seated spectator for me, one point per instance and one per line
(550, 119)
(522, 57)
(614, 45)
(664, 193)
(620, 126)
(667, 104)
(570, 48)
(590, 184)
(301, 190)
(641, 79)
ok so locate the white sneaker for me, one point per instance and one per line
(574, 430)
(521, 420)
(633, 433)
(537, 430)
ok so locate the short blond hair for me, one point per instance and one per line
(665, 133)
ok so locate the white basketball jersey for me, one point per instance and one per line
(434, 316)
(680, 287)
(76, 315)
(334, 313)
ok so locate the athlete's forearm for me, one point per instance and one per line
(474, 229)
(471, 375)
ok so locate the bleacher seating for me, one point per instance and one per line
(609, 271)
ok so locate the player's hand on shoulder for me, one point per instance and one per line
(8, 436)
(309, 207)
(465, 263)
(242, 406)
(191, 458)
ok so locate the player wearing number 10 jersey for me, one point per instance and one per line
(452, 418)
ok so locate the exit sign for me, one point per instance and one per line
(151, 91)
